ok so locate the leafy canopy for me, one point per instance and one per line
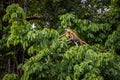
(49, 56)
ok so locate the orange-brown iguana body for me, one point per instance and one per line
(73, 36)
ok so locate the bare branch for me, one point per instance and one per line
(34, 18)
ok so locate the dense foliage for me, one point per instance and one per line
(29, 52)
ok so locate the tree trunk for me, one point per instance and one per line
(9, 62)
(25, 6)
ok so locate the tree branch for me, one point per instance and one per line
(34, 18)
